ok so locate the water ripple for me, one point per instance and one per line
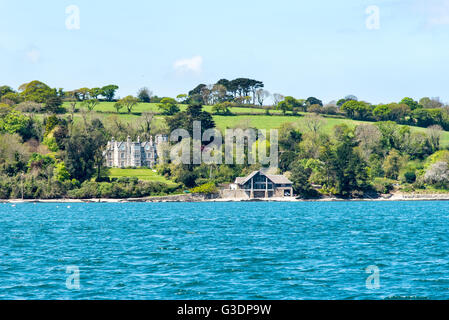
(225, 250)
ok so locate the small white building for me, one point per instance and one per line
(120, 154)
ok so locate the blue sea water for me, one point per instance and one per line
(225, 250)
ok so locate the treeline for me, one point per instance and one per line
(58, 158)
(368, 159)
(240, 90)
(425, 113)
(38, 97)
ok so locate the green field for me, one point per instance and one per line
(274, 122)
(141, 174)
(108, 107)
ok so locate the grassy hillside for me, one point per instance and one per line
(273, 122)
(258, 119)
(141, 174)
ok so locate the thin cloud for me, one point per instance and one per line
(33, 56)
(437, 11)
(193, 64)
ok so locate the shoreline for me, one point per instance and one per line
(201, 198)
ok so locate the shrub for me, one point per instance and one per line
(410, 176)
(51, 143)
(382, 185)
(88, 190)
(208, 188)
(438, 175)
(30, 107)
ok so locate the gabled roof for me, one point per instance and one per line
(279, 179)
(276, 179)
(245, 180)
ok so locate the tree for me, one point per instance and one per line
(368, 136)
(168, 106)
(427, 117)
(181, 98)
(222, 108)
(400, 112)
(284, 106)
(147, 119)
(53, 104)
(289, 137)
(438, 175)
(206, 94)
(4, 90)
(185, 119)
(300, 176)
(218, 93)
(195, 95)
(84, 151)
(129, 102)
(12, 98)
(254, 86)
(411, 103)
(435, 133)
(382, 112)
(144, 95)
(118, 106)
(109, 91)
(392, 165)
(357, 109)
(312, 100)
(13, 154)
(290, 104)
(345, 165)
(84, 93)
(261, 95)
(314, 123)
(98, 135)
(90, 104)
(277, 97)
(14, 122)
(36, 91)
(95, 92)
(431, 103)
(295, 105)
(346, 99)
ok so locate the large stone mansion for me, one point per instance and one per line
(120, 154)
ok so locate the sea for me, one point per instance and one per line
(213, 250)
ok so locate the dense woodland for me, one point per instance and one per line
(52, 141)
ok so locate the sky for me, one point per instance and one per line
(378, 50)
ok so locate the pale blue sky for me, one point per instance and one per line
(300, 48)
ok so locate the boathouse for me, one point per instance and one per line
(261, 185)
